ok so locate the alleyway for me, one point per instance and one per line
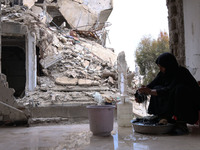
(79, 137)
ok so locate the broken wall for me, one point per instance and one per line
(71, 69)
(10, 111)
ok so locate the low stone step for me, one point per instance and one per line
(75, 112)
(80, 89)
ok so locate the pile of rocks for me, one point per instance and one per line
(73, 68)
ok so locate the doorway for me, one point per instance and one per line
(14, 63)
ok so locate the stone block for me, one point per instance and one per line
(66, 81)
(85, 63)
(50, 60)
(85, 82)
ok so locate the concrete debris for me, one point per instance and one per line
(87, 34)
(50, 60)
(70, 68)
(10, 110)
(66, 81)
(64, 62)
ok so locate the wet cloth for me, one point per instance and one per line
(139, 97)
(178, 92)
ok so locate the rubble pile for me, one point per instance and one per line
(73, 69)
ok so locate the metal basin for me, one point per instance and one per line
(152, 128)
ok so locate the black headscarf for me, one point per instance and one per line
(169, 62)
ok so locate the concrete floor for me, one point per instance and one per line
(79, 137)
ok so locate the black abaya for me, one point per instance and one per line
(178, 93)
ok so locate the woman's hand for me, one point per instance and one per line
(147, 91)
(144, 90)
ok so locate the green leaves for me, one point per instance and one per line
(147, 52)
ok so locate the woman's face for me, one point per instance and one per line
(162, 69)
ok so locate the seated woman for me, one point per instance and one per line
(175, 94)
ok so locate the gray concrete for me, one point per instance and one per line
(59, 111)
(79, 137)
(54, 114)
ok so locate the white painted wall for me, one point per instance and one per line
(191, 9)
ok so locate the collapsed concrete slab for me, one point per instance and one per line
(85, 15)
(78, 16)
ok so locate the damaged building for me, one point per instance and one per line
(54, 59)
(53, 62)
(53, 54)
